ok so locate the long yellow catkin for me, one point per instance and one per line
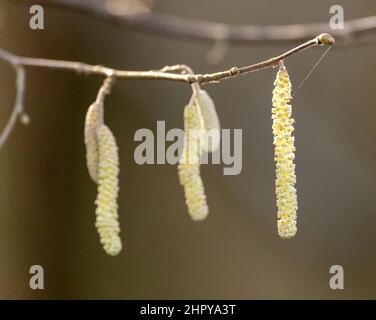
(189, 165)
(210, 121)
(93, 119)
(284, 155)
(108, 188)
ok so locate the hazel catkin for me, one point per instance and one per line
(108, 188)
(211, 137)
(93, 120)
(189, 165)
(284, 155)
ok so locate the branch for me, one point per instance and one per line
(18, 105)
(80, 67)
(181, 73)
(357, 31)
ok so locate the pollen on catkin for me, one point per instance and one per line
(210, 121)
(189, 165)
(93, 120)
(107, 222)
(284, 155)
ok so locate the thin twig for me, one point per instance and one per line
(18, 105)
(81, 67)
(180, 73)
(356, 31)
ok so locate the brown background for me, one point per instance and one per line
(47, 199)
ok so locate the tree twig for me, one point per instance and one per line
(81, 67)
(356, 31)
(180, 73)
(18, 104)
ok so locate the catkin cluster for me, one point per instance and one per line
(201, 133)
(284, 155)
(103, 166)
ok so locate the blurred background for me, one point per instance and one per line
(47, 198)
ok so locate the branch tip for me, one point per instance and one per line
(325, 39)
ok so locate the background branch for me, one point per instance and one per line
(357, 31)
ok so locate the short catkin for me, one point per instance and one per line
(189, 165)
(93, 120)
(210, 121)
(284, 155)
(107, 222)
